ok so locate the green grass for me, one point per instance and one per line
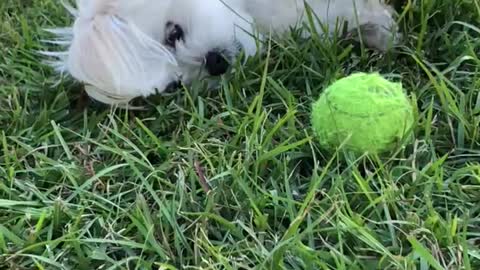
(95, 188)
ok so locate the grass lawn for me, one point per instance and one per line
(233, 178)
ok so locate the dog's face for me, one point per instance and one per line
(203, 36)
(124, 49)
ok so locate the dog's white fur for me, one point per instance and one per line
(116, 47)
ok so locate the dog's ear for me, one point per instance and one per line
(113, 55)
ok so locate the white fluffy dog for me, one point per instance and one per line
(122, 49)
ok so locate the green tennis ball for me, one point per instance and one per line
(364, 113)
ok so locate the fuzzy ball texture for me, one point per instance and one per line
(365, 112)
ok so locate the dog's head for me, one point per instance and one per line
(206, 36)
(129, 48)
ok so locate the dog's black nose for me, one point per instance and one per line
(216, 64)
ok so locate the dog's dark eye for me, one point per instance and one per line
(174, 34)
